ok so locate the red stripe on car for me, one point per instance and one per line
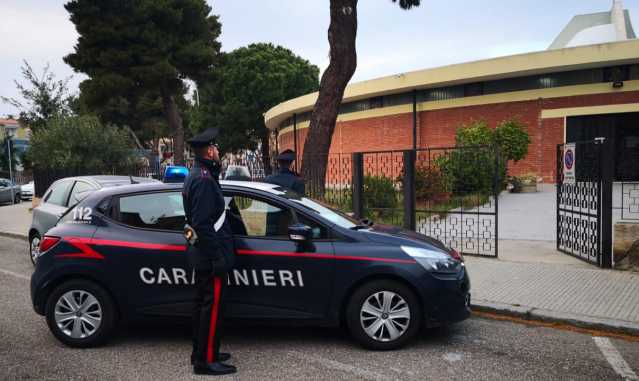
(322, 256)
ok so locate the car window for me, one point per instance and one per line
(79, 192)
(4, 183)
(58, 194)
(319, 231)
(257, 218)
(163, 211)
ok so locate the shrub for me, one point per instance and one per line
(431, 184)
(472, 170)
(379, 192)
(80, 143)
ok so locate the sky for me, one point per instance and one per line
(389, 40)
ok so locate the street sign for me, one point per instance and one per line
(570, 163)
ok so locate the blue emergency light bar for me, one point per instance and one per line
(175, 174)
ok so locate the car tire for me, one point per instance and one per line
(17, 198)
(95, 308)
(34, 247)
(375, 323)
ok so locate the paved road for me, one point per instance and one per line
(476, 349)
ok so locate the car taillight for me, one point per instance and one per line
(455, 254)
(48, 242)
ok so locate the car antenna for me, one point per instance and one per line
(133, 181)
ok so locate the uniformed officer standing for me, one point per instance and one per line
(284, 176)
(210, 253)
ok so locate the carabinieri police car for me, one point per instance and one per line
(118, 256)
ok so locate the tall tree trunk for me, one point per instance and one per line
(342, 32)
(174, 120)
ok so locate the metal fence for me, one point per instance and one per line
(448, 193)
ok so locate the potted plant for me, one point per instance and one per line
(524, 184)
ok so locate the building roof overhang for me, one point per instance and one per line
(543, 62)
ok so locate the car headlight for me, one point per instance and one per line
(434, 260)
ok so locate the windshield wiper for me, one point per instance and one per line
(359, 227)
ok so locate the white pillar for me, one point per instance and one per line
(618, 19)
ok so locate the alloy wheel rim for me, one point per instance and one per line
(385, 316)
(35, 249)
(78, 314)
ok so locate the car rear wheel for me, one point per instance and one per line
(17, 198)
(383, 315)
(80, 314)
(34, 247)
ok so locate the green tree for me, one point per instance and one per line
(137, 54)
(81, 143)
(4, 155)
(342, 33)
(44, 97)
(249, 81)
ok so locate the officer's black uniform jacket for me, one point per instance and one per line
(204, 205)
(286, 178)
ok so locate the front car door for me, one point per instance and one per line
(275, 278)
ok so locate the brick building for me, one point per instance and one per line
(566, 93)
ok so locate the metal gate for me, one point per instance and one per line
(584, 201)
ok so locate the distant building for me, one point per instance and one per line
(585, 85)
(596, 28)
(20, 135)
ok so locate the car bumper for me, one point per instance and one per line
(26, 196)
(448, 301)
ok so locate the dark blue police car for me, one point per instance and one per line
(118, 256)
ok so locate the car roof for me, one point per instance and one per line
(104, 181)
(159, 186)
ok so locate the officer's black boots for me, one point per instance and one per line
(223, 356)
(214, 369)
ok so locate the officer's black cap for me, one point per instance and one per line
(205, 138)
(287, 155)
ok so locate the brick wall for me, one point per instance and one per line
(436, 128)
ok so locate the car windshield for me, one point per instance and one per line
(327, 212)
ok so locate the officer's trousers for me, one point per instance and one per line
(207, 313)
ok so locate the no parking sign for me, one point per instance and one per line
(570, 163)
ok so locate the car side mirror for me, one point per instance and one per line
(300, 233)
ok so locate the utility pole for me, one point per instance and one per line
(8, 140)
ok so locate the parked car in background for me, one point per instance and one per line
(7, 189)
(26, 191)
(63, 194)
(237, 173)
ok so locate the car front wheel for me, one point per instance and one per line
(383, 315)
(80, 314)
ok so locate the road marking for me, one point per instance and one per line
(16, 275)
(615, 359)
(340, 366)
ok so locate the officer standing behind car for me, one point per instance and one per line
(210, 253)
(284, 176)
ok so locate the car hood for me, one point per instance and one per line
(398, 236)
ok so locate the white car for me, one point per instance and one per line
(26, 191)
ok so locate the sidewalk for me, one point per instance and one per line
(554, 287)
(15, 220)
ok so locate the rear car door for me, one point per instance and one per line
(275, 278)
(53, 205)
(143, 241)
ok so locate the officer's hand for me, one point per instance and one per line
(219, 266)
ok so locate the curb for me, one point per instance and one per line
(539, 314)
(14, 235)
